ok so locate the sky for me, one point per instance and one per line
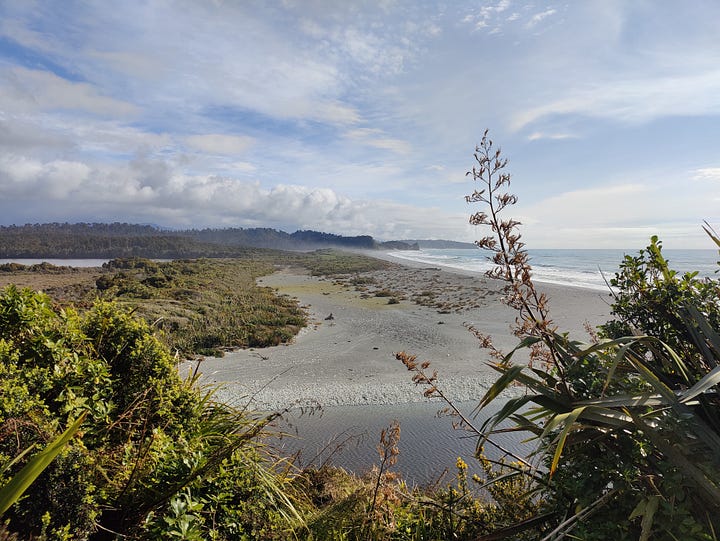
(361, 118)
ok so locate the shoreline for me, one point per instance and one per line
(346, 354)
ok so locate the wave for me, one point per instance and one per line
(475, 261)
(586, 268)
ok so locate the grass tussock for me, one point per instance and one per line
(204, 305)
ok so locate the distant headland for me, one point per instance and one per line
(109, 240)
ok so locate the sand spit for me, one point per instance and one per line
(346, 355)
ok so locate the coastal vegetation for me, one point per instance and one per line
(626, 424)
(154, 453)
(203, 305)
(198, 306)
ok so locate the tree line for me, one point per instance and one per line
(98, 240)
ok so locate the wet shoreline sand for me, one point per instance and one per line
(346, 355)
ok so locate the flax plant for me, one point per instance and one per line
(618, 441)
(626, 426)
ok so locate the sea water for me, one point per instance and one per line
(348, 437)
(578, 268)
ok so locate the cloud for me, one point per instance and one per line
(185, 58)
(30, 89)
(486, 14)
(45, 135)
(707, 174)
(242, 167)
(376, 138)
(367, 45)
(493, 17)
(633, 100)
(140, 65)
(539, 17)
(536, 136)
(15, 29)
(220, 144)
(18, 135)
(22, 178)
(616, 216)
(151, 191)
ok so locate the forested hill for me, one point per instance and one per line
(95, 240)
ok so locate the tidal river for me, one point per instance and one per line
(347, 436)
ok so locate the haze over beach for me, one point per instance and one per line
(361, 118)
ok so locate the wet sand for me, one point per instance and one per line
(346, 355)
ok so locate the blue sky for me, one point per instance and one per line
(362, 117)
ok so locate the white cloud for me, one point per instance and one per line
(458, 176)
(20, 134)
(434, 30)
(30, 89)
(24, 178)
(487, 15)
(140, 65)
(494, 17)
(539, 17)
(616, 216)
(633, 100)
(536, 136)
(376, 138)
(312, 28)
(220, 144)
(242, 167)
(27, 37)
(111, 137)
(149, 190)
(194, 56)
(707, 174)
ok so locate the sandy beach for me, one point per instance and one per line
(346, 354)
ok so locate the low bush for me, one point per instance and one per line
(156, 456)
(627, 427)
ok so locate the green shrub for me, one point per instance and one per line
(628, 427)
(150, 440)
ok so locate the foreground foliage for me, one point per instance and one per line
(155, 455)
(628, 426)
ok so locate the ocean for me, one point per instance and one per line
(578, 268)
